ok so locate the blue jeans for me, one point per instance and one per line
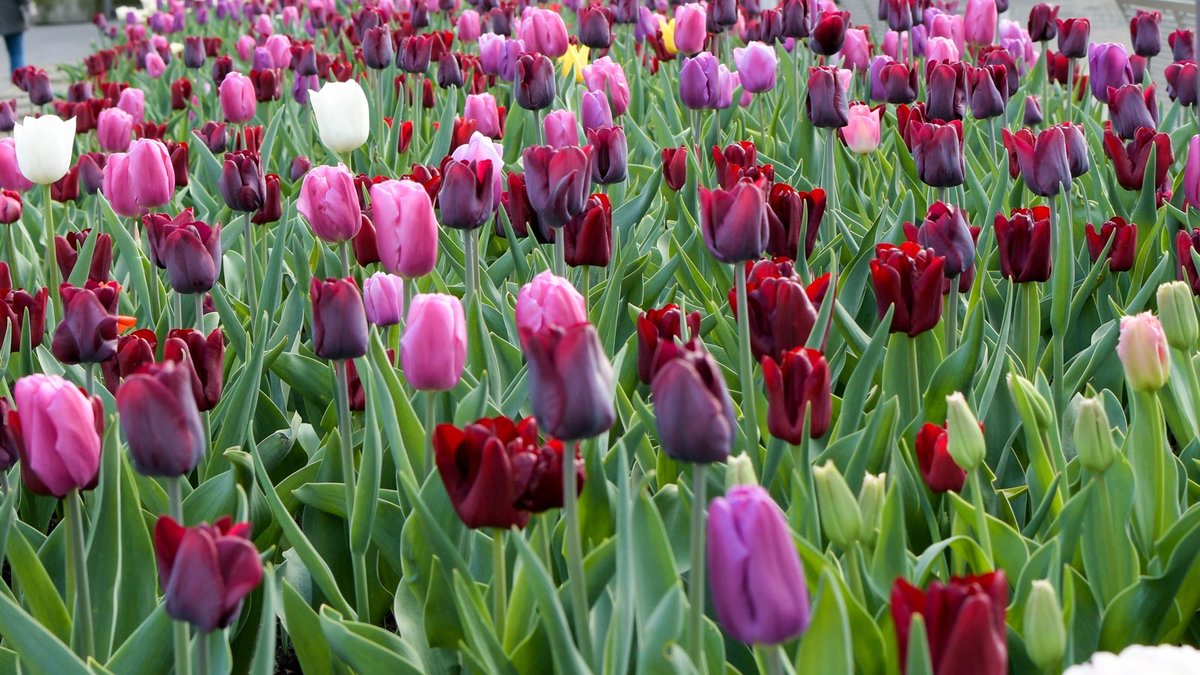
(15, 44)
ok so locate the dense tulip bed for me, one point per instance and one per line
(502, 338)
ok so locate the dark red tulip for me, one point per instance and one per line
(414, 53)
(588, 237)
(179, 154)
(945, 90)
(1042, 159)
(160, 420)
(449, 71)
(366, 251)
(206, 571)
(88, 330)
(1187, 241)
(272, 207)
(826, 101)
(1073, 37)
(67, 248)
(1077, 148)
(938, 468)
(938, 153)
(557, 180)
(18, 306)
(798, 384)
(908, 123)
(1124, 243)
(570, 381)
(213, 135)
(181, 94)
(1032, 112)
(205, 356)
(222, 66)
(964, 623)
(908, 278)
(829, 34)
(946, 232)
(899, 82)
(1129, 160)
(739, 161)
(268, 86)
(1023, 241)
(987, 91)
(1043, 22)
(242, 183)
(1131, 108)
(534, 87)
(1181, 82)
(1144, 35)
(520, 212)
(792, 214)
(134, 351)
(497, 472)
(783, 311)
(91, 171)
(660, 337)
(339, 319)
(674, 167)
(190, 251)
(692, 408)
(1183, 45)
(66, 189)
(995, 56)
(609, 157)
(595, 26)
(466, 197)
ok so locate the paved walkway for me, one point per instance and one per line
(48, 46)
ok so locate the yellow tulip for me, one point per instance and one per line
(668, 36)
(575, 58)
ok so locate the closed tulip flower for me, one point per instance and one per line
(783, 311)
(1073, 37)
(480, 149)
(1144, 35)
(534, 87)
(594, 111)
(1181, 82)
(1183, 45)
(114, 128)
(908, 278)
(826, 100)
(18, 306)
(899, 82)
(856, 51)
(759, 591)
(543, 31)
(433, 349)
(238, 99)
(938, 153)
(242, 183)
(206, 571)
(608, 77)
(791, 216)
(1077, 148)
(466, 197)
(1042, 159)
(1142, 348)
(11, 177)
(692, 408)
(521, 216)
(482, 109)
(377, 48)
(56, 439)
(588, 237)
(1130, 160)
(661, 335)
(160, 420)
(339, 320)
(938, 468)
(609, 156)
(548, 302)
(829, 33)
(675, 167)
(979, 23)
(861, 133)
(135, 351)
(1023, 241)
(414, 53)
(1124, 243)
(964, 622)
(1043, 22)
(690, 28)
(946, 232)
(796, 385)
(1108, 66)
(734, 222)
(1131, 108)
(942, 49)
(151, 172)
(88, 330)
(406, 228)
(561, 129)
(946, 89)
(756, 65)
(205, 357)
(329, 202)
(699, 81)
(557, 180)
(595, 26)
(66, 253)
(343, 115)
(188, 249)
(987, 91)
(43, 147)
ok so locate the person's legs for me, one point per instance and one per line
(15, 44)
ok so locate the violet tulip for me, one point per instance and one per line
(206, 571)
(1131, 108)
(383, 298)
(557, 180)
(796, 385)
(699, 81)
(339, 320)
(756, 65)
(329, 202)
(406, 228)
(734, 222)
(692, 408)
(595, 26)
(1042, 159)
(987, 91)
(1108, 66)
(946, 233)
(88, 330)
(433, 349)
(594, 111)
(57, 438)
(160, 420)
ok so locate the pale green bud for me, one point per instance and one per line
(839, 510)
(870, 505)
(1177, 311)
(965, 444)
(1093, 436)
(739, 470)
(1045, 634)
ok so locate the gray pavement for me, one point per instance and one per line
(49, 45)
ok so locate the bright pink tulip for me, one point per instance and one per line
(59, 447)
(280, 47)
(117, 187)
(941, 49)
(548, 301)
(481, 108)
(468, 26)
(544, 31)
(690, 28)
(329, 202)
(406, 229)
(979, 24)
(561, 129)
(482, 149)
(151, 172)
(11, 177)
(245, 47)
(433, 350)
(114, 128)
(133, 101)
(856, 51)
(604, 74)
(155, 66)
(238, 102)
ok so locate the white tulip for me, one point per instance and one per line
(1160, 660)
(44, 147)
(343, 115)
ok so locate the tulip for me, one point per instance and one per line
(135, 351)
(856, 51)
(660, 334)
(482, 109)
(468, 26)
(343, 115)
(1077, 149)
(979, 23)
(941, 49)
(383, 297)
(11, 177)
(782, 310)
(674, 167)
(826, 99)
(160, 421)
(496, 472)
(606, 76)
(188, 249)
(548, 302)
(759, 591)
(1132, 108)
(10, 207)
(756, 64)
(739, 161)
(339, 321)
(1023, 241)
(466, 197)
(1181, 82)
(1042, 159)
(938, 468)
(734, 222)
(238, 99)
(1130, 160)
(609, 155)
(1124, 243)
(1043, 22)
(88, 330)
(133, 101)
(18, 306)
(1108, 66)
(1177, 311)
(945, 231)
(206, 571)
(329, 202)
(114, 128)
(987, 91)
(561, 129)
(945, 90)
(557, 180)
(908, 278)
(66, 253)
(205, 356)
(43, 148)
(594, 111)
(964, 432)
(406, 227)
(829, 33)
(964, 622)
(433, 349)
(690, 28)
(1183, 45)
(151, 173)
(693, 411)
(938, 153)
(1185, 242)
(1142, 348)
(861, 133)
(377, 48)
(785, 206)
(534, 88)
(56, 439)
(213, 135)
(797, 385)
(840, 516)
(588, 237)
(543, 31)
(1073, 37)
(480, 149)
(521, 215)
(414, 53)
(1143, 33)
(698, 81)
(899, 83)
(449, 71)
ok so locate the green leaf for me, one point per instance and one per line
(826, 648)
(366, 648)
(566, 658)
(264, 646)
(304, 628)
(919, 662)
(39, 650)
(36, 588)
(147, 648)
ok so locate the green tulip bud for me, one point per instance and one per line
(870, 505)
(1045, 634)
(839, 510)
(1025, 393)
(1093, 436)
(1177, 311)
(965, 444)
(739, 470)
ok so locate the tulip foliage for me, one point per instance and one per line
(495, 337)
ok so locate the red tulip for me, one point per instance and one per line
(798, 384)
(908, 278)
(938, 468)
(964, 623)
(1124, 243)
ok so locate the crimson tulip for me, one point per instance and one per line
(964, 622)
(798, 384)
(908, 278)
(1023, 241)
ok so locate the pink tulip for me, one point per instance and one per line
(468, 26)
(133, 101)
(151, 172)
(114, 128)
(245, 47)
(383, 298)
(949, 26)
(238, 102)
(482, 109)
(544, 31)
(595, 111)
(548, 301)
(979, 24)
(291, 17)
(11, 177)
(690, 28)
(480, 149)
(561, 129)
(856, 51)
(861, 132)
(280, 48)
(329, 202)
(155, 66)
(941, 49)
(433, 350)
(262, 25)
(895, 45)
(606, 75)
(1191, 174)
(117, 187)
(406, 229)
(59, 447)
(1142, 348)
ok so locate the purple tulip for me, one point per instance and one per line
(692, 408)
(734, 222)
(557, 180)
(1108, 67)
(339, 320)
(160, 420)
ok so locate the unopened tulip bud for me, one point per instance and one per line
(966, 444)
(1023, 389)
(1045, 634)
(870, 505)
(739, 470)
(1093, 436)
(840, 516)
(1142, 348)
(1177, 311)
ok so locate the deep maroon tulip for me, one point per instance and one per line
(995, 56)
(1073, 37)
(595, 26)
(267, 84)
(339, 319)
(1143, 33)
(1023, 241)
(304, 59)
(938, 152)
(466, 194)
(908, 278)
(1181, 82)
(160, 420)
(557, 180)
(734, 222)
(190, 251)
(987, 91)
(18, 306)
(945, 90)
(661, 335)
(1129, 160)
(377, 48)
(1131, 108)
(88, 330)
(792, 214)
(1042, 159)
(242, 183)
(609, 155)
(692, 408)
(1043, 22)
(1185, 243)
(413, 53)
(938, 468)
(899, 83)
(570, 381)
(222, 66)
(181, 94)
(826, 101)
(829, 34)
(1183, 45)
(272, 207)
(206, 571)
(67, 248)
(91, 171)
(39, 90)
(521, 215)
(193, 51)
(946, 232)
(797, 385)
(795, 19)
(496, 471)
(135, 351)
(205, 356)
(534, 87)
(783, 311)
(964, 622)
(213, 135)
(1124, 243)
(1032, 112)
(588, 237)
(450, 71)
(1077, 148)
(739, 161)
(675, 167)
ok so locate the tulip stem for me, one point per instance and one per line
(560, 253)
(50, 260)
(251, 282)
(202, 652)
(696, 579)
(342, 380)
(89, 378)
(499, 583)
(430, 423)
(749, 411)
(575, 576)
(77, 553)
(183, 657)
(952, 317)
(175, 498)
(914, 379)
(470, 266)
(774, 657)
(830, 153)
(981, 524)
(198, 301)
